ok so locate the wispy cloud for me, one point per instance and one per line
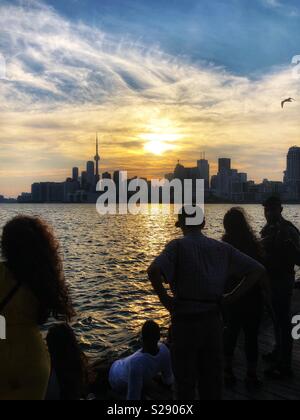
(283, 7)
(273, 3)
(66, 81)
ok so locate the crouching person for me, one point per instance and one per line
(131, 375)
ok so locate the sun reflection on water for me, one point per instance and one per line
(106, 259)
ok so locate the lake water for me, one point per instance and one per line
(106, 258)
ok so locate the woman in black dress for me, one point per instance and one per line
(246, 314)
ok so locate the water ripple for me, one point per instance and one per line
(105, 263)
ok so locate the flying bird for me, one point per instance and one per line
(286, 101)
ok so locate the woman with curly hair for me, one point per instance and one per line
(32, 290)
(70, 374)
(246, 314)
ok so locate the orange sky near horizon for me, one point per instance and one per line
(149, 108)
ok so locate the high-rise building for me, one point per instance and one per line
(36, 192)
(224, 165)
(75, 174)
(84, 181)
(229, 184)
(292, 173)
(47, 192)
(293, 165)
(90, 170)
(204, 169)
(180, 172)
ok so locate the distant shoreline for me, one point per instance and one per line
(286, 203)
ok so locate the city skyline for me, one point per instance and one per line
(158, 81)
(91, 172)
(227, 184)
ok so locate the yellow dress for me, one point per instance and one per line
(24, 358)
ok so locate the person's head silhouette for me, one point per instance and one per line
(191, 218)
(150, 337)
(273, 209)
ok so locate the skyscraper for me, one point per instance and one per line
(75, 174)
(292, 173)
(203, 168)
(224, 165)
(97, 160)
(293, 165)
(90, 170)
(84, 182)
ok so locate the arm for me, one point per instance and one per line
(164, 268)
(246, 268)
(245, 286)
(135, 384)
(156, 278)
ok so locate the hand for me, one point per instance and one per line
(169, 303)
(227, 299)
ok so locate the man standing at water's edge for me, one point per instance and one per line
(281, 240)
(197, 269)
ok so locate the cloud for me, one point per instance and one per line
(282, 7)
(65, 81)
(273, 3)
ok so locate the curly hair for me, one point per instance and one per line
(32, 256)
(69, 362)
(239, 233)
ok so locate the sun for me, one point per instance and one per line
(159, 143)
(159, 136)
(157, 147)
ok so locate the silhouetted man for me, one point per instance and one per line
(281, 240)
(130, 375)
(197, 269)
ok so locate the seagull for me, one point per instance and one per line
(286, 101)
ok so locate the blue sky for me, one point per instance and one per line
(245, 36)
(179, 76)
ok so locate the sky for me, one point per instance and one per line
(159, 80)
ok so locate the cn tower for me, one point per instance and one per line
(97, 160)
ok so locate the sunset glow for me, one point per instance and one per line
(158, 143)
(153, 102)
(157, 147)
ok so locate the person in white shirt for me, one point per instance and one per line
(132, 374)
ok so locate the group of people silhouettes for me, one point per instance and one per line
(214, 290)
